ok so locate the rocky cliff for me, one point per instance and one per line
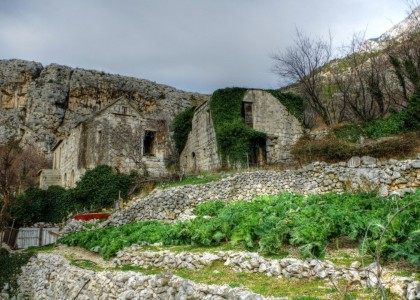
(40, 104)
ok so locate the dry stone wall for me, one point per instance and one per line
(49, 276)
(358, 174)
(251, 262)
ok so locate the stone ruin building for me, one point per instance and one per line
(117, 135)
(260, 111)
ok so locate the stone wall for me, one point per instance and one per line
(49, 276)
(282, 128)
(66, 158)
(200, 152)
(359, 174)
(252, 262)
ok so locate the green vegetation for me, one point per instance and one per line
(268, 224)
(98, 188)
(210, 208)
(385, 127)
(181, 127)
(235, 140)
(333, 149)
(193, 179)
(348, 132)
(10, 266)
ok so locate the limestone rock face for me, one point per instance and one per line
(42, 104)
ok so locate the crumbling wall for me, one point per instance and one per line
(271, 117)
(200, 152)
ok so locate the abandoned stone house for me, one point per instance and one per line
(261, 111)
(117, 135)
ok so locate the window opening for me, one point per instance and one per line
(247, 113)
(149, 143)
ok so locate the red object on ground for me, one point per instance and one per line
(87, 217)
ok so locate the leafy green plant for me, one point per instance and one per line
(385, 127)
(209, 208)
(269, 223)
(181, 127)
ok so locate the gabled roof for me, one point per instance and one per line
(104, 109)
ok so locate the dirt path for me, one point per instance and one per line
(79, 253)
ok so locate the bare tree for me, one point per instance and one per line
(9, 179)
(404, 53)
(363, 80)
(303, 63)
(18, 170)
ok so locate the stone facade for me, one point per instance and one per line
(262, 112)
(200, 152)
(119, 136)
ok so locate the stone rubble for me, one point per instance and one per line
(49, 276)
(387, 177)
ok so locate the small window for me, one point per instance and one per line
(149, 143)
(124, 110)
(247, 113)
(98, 136)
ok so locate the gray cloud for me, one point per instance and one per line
(196, 45)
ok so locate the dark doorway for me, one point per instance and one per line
(258, 155)
(149, 143)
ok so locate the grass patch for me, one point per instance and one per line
(195, 179)
(85, 264)
(35, 249)
(219, 274)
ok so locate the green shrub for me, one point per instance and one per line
(235, 140)
(37, 205)
(209, 208)
(98, 188)
(384, 127)
(348, 132)
(101, 186)
(181, 127)
(412, 114)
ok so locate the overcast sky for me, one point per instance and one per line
(194, 45)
